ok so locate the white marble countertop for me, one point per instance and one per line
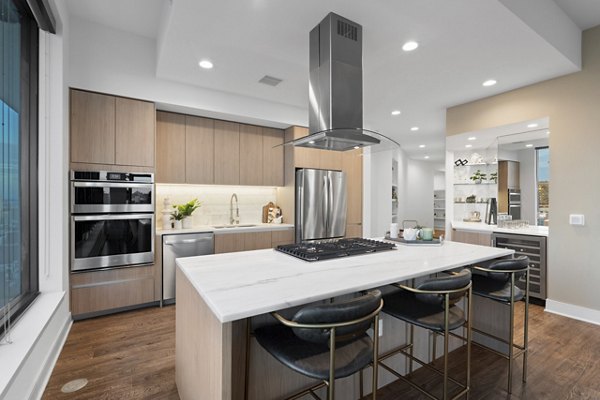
(483, 227)
(258, 227)
(250, 283)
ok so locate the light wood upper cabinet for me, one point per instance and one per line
(305, 157)
(251, 155)
(199, 150)
(92, 128)
(352, 166)
(170, 143)
(272, 157)
(329, 159)
(227, 153)
(135, 132)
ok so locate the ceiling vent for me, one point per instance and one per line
(270, 80)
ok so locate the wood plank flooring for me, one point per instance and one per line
(132, 356)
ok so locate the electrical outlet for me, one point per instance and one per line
(577, 219)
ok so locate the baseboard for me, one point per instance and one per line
(48, 367)
(572, 311)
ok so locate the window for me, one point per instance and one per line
(18, 159)
(542, 162)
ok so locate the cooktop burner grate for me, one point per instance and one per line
(325, 250)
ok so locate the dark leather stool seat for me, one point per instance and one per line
(432, 305)
(327, 341)
(312, 359)
(494, 289)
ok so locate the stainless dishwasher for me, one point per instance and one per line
(177, 246)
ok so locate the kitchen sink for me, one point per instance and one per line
(233, 226)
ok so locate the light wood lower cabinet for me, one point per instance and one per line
(98, 292)
(354, 230)
(282, 237)
(480, 238)
(231, 242)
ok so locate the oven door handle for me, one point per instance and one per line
(111, 217)
(187, 241)
(112, 184)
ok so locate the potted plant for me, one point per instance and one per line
(184, 211)
(177, 218)
(478, 176)
(494, 177)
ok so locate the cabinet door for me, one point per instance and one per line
(227, 153)
(257, 240)
(170, 144)
(92, 128)
(272, 157)
(352, 166)
(280, 237)
(354, 230)
(304, 157)
(329, 159)
(199, 150)
(482, 239)
(251, 155)
(135, 132)
(229, 242)
(99, 291)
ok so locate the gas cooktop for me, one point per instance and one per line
(325, 250)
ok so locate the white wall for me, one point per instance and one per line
(419, 194)
(39, 334)
(377, 192)
(106, 60)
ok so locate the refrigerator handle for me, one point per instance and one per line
(326, 205)
(329, 205)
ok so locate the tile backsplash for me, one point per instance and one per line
(215, 202)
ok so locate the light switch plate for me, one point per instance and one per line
(576, 219)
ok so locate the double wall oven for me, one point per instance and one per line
(112, 219)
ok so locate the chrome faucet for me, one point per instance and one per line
(233, 220)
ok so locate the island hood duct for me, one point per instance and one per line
(336, 87)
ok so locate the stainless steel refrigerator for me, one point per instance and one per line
(320, 204)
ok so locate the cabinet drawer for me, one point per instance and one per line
(98, 291)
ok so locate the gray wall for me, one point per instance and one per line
(571, 102)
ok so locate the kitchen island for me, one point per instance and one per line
(216, 294)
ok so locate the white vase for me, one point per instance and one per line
(177, 224)
(188, 223)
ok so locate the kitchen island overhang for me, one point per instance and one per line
(217, 293)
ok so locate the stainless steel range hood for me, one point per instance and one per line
(336, 87)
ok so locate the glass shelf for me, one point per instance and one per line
(476, 184)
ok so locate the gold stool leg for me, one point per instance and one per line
(526, 327)
(247, 371)
(469, 314)
(511, 331)
(375, 356)
(446, 338)
(360, 385)
(331, 387)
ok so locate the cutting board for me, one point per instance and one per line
(265, 212)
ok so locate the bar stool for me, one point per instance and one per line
(432, 305)
(497, 282)
(326, 341)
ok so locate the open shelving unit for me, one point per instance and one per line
(439, 210)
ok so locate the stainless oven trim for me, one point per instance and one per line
(106, 208)
(150, 176)
(90, 263)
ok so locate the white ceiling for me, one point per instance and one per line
(462, 43)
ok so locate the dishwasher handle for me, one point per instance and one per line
(186, 241)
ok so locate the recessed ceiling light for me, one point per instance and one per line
(426, 157)
(205, 64)
(311, 142)
(468, 146)
(396, 112)
(489, 82)
(547, 132)
(529, 145)
(414, 128)
(410, 46)
(532, 125)
(472, 138)
(421, 146)
(356, 147)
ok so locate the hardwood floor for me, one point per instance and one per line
(132, 356)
